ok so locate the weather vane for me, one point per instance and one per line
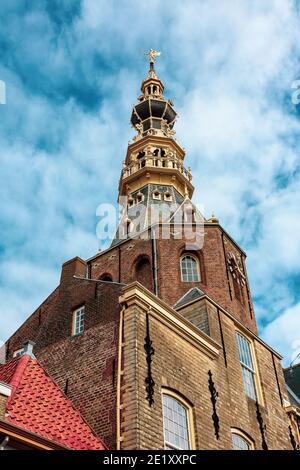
(152, 55)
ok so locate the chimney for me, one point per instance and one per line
(74, 267)
(28, 349)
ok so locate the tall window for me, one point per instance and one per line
(190, 269)
(78, 321)
(246, 361)
(240, 442)
(176, 424)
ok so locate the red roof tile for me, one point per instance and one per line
(7, 370)
(38, 405)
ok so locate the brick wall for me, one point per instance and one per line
(84, 366)
(181, 367)
(216, 281)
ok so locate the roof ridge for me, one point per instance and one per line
(18, 374)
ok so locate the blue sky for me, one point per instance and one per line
(73, 69)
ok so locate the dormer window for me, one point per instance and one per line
(156, 195)
(139, 198)
(168, 196)
(130, 201)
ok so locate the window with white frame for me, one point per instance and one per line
(18, 352)
(189, 269)
(78, 321)
(247, 364)
(176, 424)
(240, 442)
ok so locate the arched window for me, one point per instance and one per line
(240, 441)
(140, 155)
(177, 422)
(190, 271)
(143, 273)
(105, 277)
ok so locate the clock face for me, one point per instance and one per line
(235, 267)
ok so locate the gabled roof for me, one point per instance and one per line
(192, 294)
(38, 405)
(292, 378)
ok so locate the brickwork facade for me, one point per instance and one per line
(84, 366)
(215, 278)
(104, 370)
(180, 367)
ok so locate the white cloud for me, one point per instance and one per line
(284, 332)
(227, 65)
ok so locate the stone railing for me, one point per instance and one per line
(156, 162)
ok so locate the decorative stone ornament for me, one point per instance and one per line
(235, 267)
(213, 398)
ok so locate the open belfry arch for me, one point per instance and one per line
(154, 339)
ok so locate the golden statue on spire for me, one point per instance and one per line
(152, 55)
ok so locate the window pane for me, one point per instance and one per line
(239, 443)
(79, 320)
(189, 269)
(249, 383)
(175, 424)
(244, 351)
(247, 365)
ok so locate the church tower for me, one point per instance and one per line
(153, 172)
(154, 339)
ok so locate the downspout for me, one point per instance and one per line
(154, 257)
(119, 253)
(120, 373)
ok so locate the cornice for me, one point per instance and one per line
(136, 294)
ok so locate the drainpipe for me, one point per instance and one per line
(154, 257)
(120, 372)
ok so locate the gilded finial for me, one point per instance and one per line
(152, 55)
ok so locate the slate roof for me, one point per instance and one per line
(292, 378)
(192, 294)
(38, 405)
(163, 211)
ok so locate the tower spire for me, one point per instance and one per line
(153, 171)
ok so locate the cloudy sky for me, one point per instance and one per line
(73, 69)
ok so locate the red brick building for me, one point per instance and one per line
(154, 340)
